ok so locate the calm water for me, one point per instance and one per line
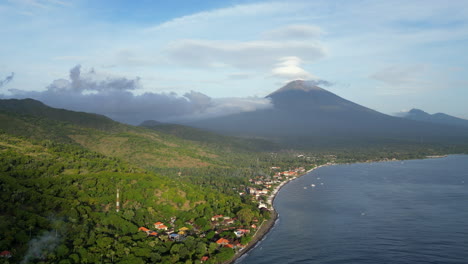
(388, 212)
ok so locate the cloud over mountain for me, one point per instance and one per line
(290, 68)
(116, 98)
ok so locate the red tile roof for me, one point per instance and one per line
(144, 229)
(222, 241)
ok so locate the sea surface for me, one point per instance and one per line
(386, 212)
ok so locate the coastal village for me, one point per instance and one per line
(227, 231)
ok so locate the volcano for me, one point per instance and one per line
(304, 113)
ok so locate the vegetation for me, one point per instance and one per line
(60, 172)
(65, 195)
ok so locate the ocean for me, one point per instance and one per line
(385, 212)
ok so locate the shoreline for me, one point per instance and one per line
(270, 223)
(267, 225)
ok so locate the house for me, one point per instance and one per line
(222, 241)
(144, 229)
(251, 190)
(153, 234)
(245, 231)
(216, 217)
(228, 221)
(241, 232)
(183, 230)
(160, 226)
(204, 258)
(5, 254)
(289, 173)
(174, 237)
(229, 246)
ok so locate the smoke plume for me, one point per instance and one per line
(41, 246)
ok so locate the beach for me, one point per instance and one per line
(267, 225)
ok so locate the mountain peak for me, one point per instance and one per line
(416, 111)
(298, 85)
(438, 118)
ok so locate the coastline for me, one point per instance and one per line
(267, 225)
(270, 223)
(258, 256)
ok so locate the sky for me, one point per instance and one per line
(176, 60)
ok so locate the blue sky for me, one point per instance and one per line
(386, 55)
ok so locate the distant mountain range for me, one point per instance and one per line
(305, 114)
(438, 118)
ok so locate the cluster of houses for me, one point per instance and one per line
(220, 224)
(163, 229)
(263, 185)
(226, 243)
(218, 220)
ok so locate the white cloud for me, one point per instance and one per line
(406, 79)
(115, 97)
(289, 68)
(249, 54)
(294, 32)
(400, 75)
(245, 11)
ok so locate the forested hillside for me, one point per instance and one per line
(59, 181)
(58, 204)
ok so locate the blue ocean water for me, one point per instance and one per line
(387, 212)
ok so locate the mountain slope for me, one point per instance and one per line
(36, 108)
(438, 118)
(307, 114)
(144, 147)
(210, 139)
